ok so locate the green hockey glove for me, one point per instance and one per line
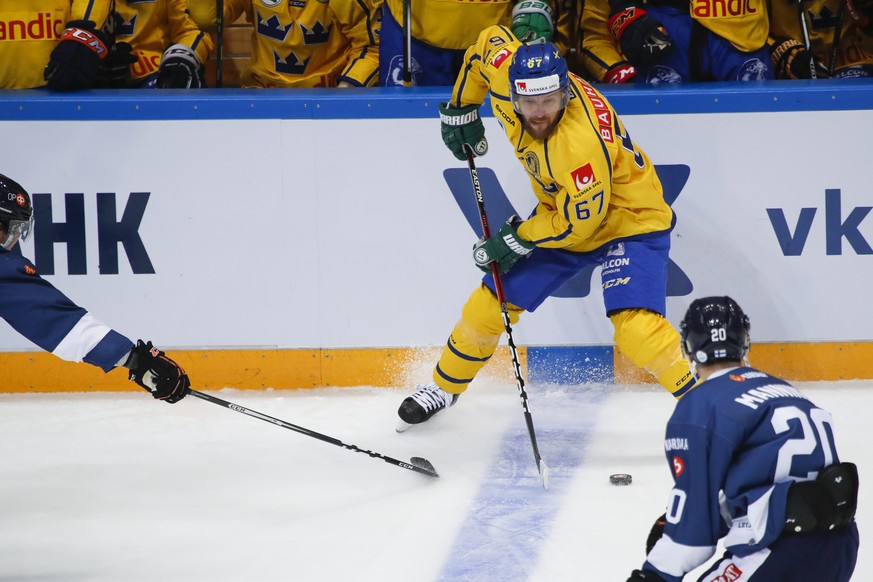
(532, 22)
(505, 248)
(462, 127)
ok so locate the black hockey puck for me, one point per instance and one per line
(621, 479)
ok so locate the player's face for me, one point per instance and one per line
(17, 229)
(540, 112)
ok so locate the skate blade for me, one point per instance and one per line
(402, 426)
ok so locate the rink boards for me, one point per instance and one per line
(285, 239)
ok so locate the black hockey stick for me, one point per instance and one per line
(804, 29)
(417, 464)
(837, 38)
(498, 287)
(407, 43)
(219, 42)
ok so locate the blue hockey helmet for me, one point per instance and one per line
(538, 69)
(715, 329)
(16, 213)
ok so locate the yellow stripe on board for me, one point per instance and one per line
(248, 369)
(387, 367)
(800, 362)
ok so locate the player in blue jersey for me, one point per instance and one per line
(45, 316)
(755, 465)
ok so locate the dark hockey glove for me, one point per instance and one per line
(74, 63)
(532, 22)
(153, 370)
(505, 247)
(180, 69)
(791, 60)
(644, 576)
(641, 37)
(462, 127)
(862, 13)
(115, 71)
(655, 533)
(620, 73)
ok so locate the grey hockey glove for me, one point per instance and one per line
(153, 370)
(75, 61)
(505, 248)
(643, 40)
(179, 69)
(532, 22)
(460, 127)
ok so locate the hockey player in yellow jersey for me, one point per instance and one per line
(840, 36)
(598, 199)
(442, 30)
(29, 32)
(303, 44)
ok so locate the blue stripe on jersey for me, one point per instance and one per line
(87, 15)
(451, 379)
(456, 99)
(464, 356)
(109, 351)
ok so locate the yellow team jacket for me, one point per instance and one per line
(592, 183)
(151, 27)
(452, 24)
(855, 46)
(743, 23)
(310, 43)
(29, 30)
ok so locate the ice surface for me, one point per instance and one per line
(117, 487)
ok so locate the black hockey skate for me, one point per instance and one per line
(421, 406)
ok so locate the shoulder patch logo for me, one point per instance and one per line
(500, 57)
(28, 270)
(737, 378)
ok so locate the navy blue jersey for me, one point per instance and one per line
(735, 444)
(45, 316)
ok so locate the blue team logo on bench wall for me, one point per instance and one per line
(499, 208)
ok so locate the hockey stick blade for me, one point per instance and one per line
(417, 464)
(424, 466)
(544, 473)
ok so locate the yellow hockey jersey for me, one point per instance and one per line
(152, 27)
(855, 47)
(310, 43)
(593, 184)
(452, 24)
(29, 31)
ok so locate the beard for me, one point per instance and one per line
(541, 129)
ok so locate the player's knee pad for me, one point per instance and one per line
(649, 341)
(482, 312)
(472, 342)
